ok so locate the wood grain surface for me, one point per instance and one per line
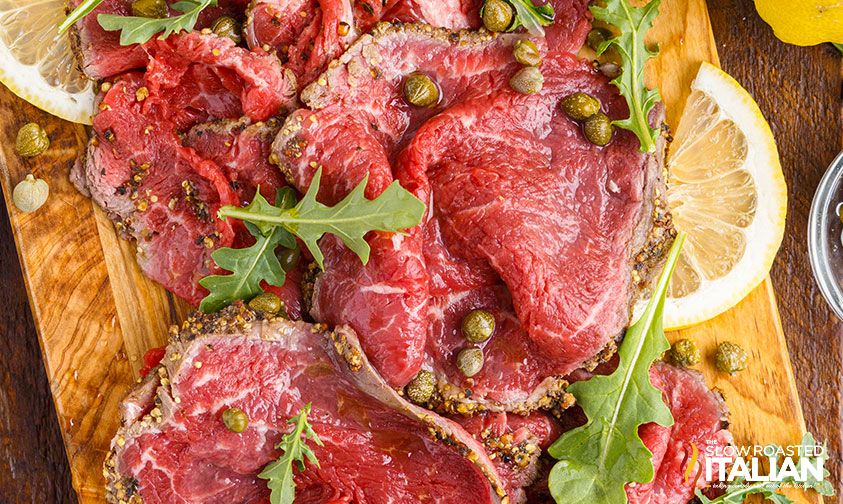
(798, 89)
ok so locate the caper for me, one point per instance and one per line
(150, 8)
(684, 353)
(528, 80)
(32, 140)
(266, 302)
(597, 36)
(497, 15)
(227, 26)
(478, 326)
(470, 361)
(235, 420)
(580, 106)
(730, 357)
(30, 194)
(289, 258)
(598, 129)
(420, 90)
(420, 387)
(526, 53)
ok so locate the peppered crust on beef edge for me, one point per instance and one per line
(171, 437)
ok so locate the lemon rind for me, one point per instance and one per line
(718, 296)
(27, 83)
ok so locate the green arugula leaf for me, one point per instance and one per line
(78, 13)
(350, 219)
(632, 23)
(280, 473)
(598, 459)
(739, 489)
(250, 266)
(137, 30)
(838, 46)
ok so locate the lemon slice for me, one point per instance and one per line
(37, 63)
(727, 191)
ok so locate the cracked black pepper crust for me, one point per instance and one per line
(151, 402)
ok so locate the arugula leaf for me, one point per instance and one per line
(632, 23)
(598, 459)
(739, 489)
(250, 266)
(838, 46)
(137, 30)
(78, 13)
(350, 220)
(273, 225)
(280, 473)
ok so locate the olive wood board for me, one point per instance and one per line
(96, 314)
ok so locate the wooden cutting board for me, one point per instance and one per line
(97, 314)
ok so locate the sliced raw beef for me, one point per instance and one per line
(516, 186)
(700, 416)
(305, 34)
(173, 446)
(357, 124)
(241, 149)
(158, 191)
(526, 217)
(100, 52)
(514, 444)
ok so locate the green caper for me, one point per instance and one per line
(32, 140)
(598, 129)
(580, 106)
(528, 80)
(266, 302)
(235, 420)
(420, 90)
(470, 361)
(684, 353)
(597, 36)
(420, 387)
(478, 326)
(497, 15)
(730, 357)
(289, 258)
(227, 26)
(150, 8)
(526, 53)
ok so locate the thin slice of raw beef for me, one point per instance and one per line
(173, 446)
(161, 193)
(700, 418)
(514, 443)
(305, 34)
(241, 149)
(515, 186)
(308, 34)
(100, 53)
(355, 127)
(525, 216)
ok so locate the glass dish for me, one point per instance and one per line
(825, 236)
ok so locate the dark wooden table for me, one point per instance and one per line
(800, 91)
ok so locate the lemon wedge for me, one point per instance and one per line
(37, 64)
(727, 191)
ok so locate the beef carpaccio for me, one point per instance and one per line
(173, 445)
(553, 236)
